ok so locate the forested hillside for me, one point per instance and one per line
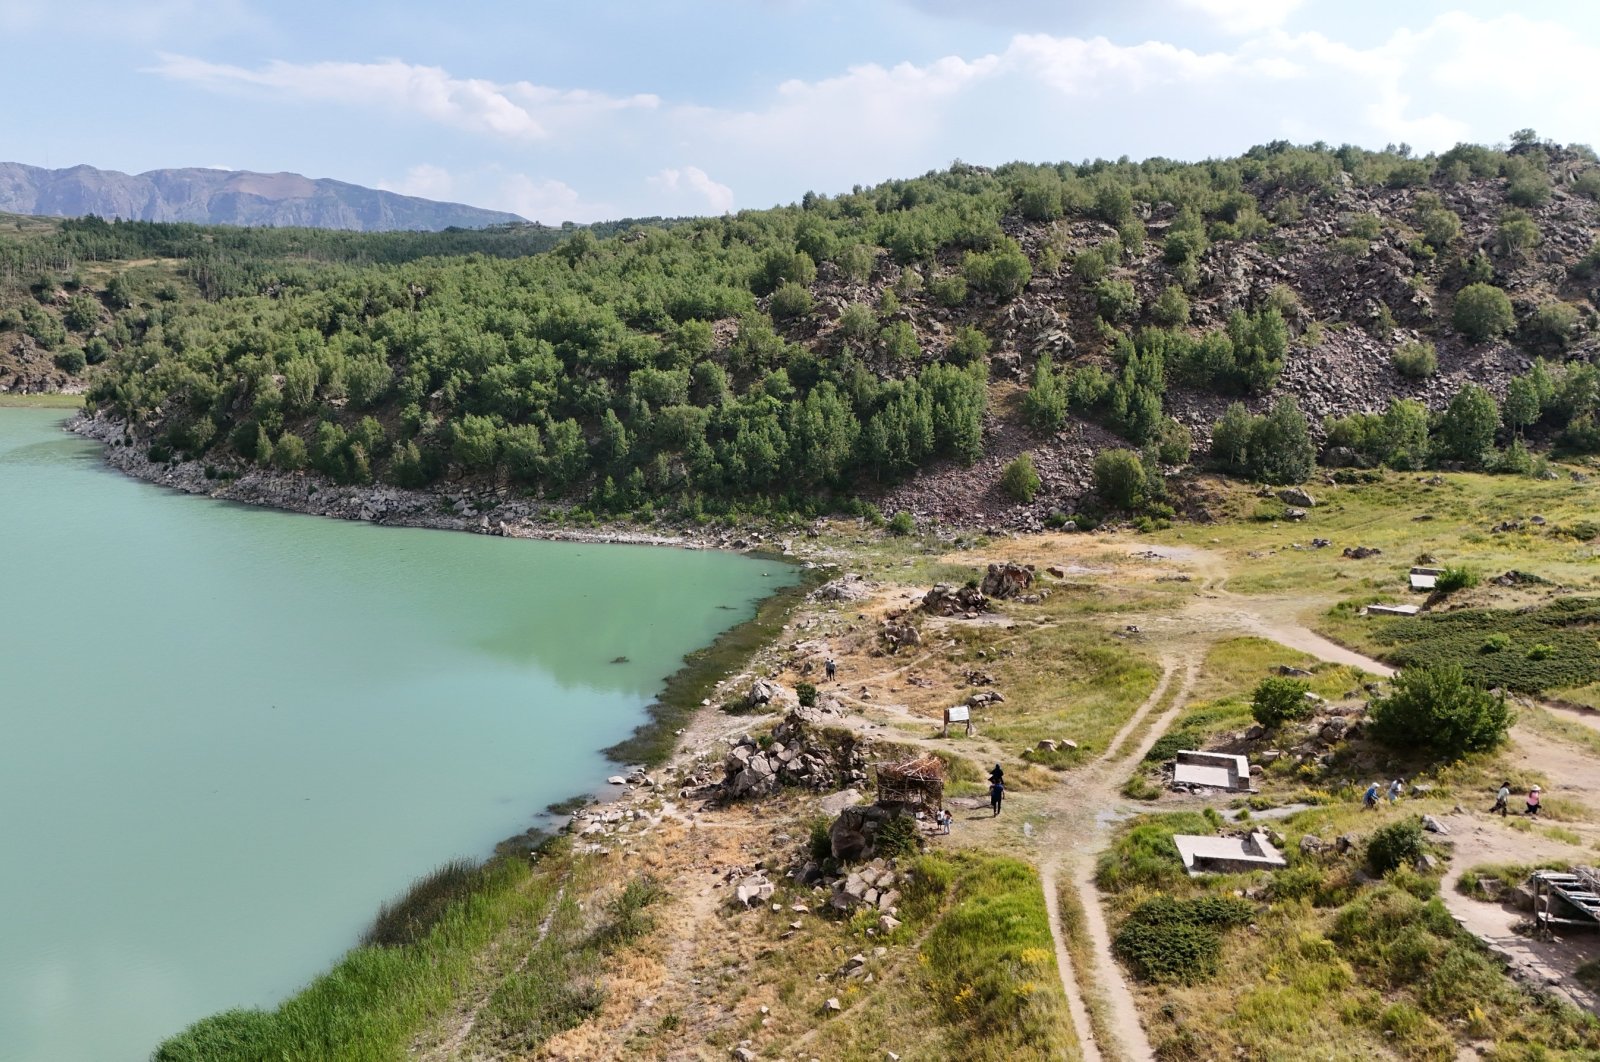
(952, 344)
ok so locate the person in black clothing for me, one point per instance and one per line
(997, 776)
(997, 793)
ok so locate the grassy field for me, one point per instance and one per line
(1332, 966)
(50, 401)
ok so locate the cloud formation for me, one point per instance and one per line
(1039, 97)
(518, 111)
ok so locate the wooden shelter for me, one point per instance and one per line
(917, 783)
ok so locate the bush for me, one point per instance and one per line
(1021, 480)
(1119, 478)
(790, 300)
(1116, 300)
(968, 346)
(898, 838)
(948, 290)
(901, 524)
(807, 694)
(72, 360)
(1171, 308)
(1416, 360)
(1457, 578)
(1170, 940)
(1279, 700)
(821, 840)
(1482, 311)
(1436, 710)
(1554, 321)
(1045, 405)
(1394, 846)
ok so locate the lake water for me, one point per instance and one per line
(227, 734)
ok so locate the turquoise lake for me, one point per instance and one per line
(227, 734)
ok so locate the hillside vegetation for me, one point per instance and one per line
(903, 343)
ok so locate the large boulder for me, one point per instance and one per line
(947, 600)
(1298, 497)
(1007, 580)
(854, 833)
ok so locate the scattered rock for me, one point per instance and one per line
(1361, 552)
(1006, 580)
(1433, 825)
(1298, 497)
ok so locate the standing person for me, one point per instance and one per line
(831, 666)
(1501, 799)
(998, 775)
(945, 819)
(1394, 790)
(1533, 802)
(997, 793)
(1369, 800)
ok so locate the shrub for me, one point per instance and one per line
(790, 300)
(1119, 478)
(1394, 846)
(948, 290)
(1045, 405)
(1278, 700)
(1456, 578)
(901, 524)
(898, 838)
(1482, 311)
(71, 360)
(1002, 272)
(1554, 321)
(968, 346)
(1021, 480)
(1171, 307)
(1177, 941)
(807, 694)
(857, 321)
(1416, 359)
(1436, 710)
(1116, 300)
(821, 840)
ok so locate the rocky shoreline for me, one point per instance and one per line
(445, 508)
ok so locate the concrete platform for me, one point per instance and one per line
(1218, 770)
(1227, 855)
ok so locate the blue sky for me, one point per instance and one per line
(583, 112)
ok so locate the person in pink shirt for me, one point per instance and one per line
(1533, 801)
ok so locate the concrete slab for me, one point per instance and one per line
(1393, 610)
(1226, 855)
(1217, 770)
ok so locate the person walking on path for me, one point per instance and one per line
(1502, 799)
(997, 793)
(1394, 790)
(997, 776)
(1533, 802)
(1369, 800)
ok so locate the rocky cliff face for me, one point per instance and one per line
(227, 197)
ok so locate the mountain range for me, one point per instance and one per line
(228, 197)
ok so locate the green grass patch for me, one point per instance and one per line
(988, 962)
(1538, 648)
(50, 401)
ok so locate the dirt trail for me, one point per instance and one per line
(1087, 1044)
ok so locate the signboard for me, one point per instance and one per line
(959, 714)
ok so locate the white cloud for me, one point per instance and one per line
(517, 111)
(718, 197)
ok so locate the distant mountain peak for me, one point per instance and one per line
(228, 197)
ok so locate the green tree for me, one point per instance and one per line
(1281, 450)
(523, 451)
(1230, 439)
(1402, 435)
(289, 455)
(1281, 700)
(475, 442)
(1466, 430)
(1021, 479)
(1437, 710)
(1482, 311)
(1045, 404)
(1119, 479)
(1002, 272)
(1171, 307)
(1522, 407)
(791, 300)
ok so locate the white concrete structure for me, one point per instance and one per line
(1227, 855)
(1216, 770)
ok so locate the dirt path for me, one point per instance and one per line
(1087, 1044)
